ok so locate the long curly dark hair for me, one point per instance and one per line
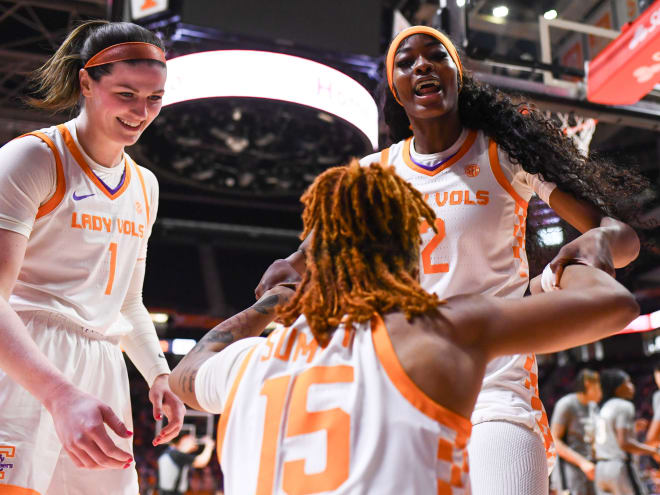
(538, 144)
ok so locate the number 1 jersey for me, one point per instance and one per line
(86, 238)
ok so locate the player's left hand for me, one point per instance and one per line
(165, 402)
(591, 248)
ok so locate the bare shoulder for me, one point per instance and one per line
(433, 353)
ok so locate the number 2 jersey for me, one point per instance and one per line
(85, 237)
(342, 419)
(480, 199)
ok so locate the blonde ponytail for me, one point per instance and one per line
(56, 82)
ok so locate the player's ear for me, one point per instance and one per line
(85, 82)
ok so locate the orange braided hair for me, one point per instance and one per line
(363, 251)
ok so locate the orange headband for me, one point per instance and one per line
(132, 50)
(434, 33)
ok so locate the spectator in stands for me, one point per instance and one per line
(174, 464)
(573, 425)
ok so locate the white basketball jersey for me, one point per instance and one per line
(85, 240)
(480, 199)
(340, 419)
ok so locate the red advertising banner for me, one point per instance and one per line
(629, 67)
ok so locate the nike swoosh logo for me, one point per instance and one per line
(161, 356)
(78, 198)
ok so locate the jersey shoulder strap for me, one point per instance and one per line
(60, 187)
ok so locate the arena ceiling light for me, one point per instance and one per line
(276, 76)
(501, 11)
(550, 14)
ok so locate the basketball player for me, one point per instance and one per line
(477, 160)
(75, 216)
(573, 426)
(371, 389)
(615, 438)
(653, 433)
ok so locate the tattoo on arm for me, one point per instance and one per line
(247, 323)
(265, 306)
(238, 327)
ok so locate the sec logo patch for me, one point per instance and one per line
(472, 170)
(138, 207)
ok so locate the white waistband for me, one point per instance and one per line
(50, 320)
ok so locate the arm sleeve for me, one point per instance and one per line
(27, 180)
(141, 344)
(656, 406)
(523, 182)
(216, 375)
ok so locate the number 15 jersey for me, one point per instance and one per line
(343, 419)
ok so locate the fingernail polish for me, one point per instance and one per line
(159, 416)
(129, 432)
(128, 464)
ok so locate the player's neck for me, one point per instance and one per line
(582, 397)
(437, 134)
(98, 147)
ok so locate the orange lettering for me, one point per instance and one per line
(482, 197)
(444, 198)
(456, 197)
(467, 199)
(289, 345)
(141, 231)
(133, 231)
(303, 347)
(86, 221)
(74, 222)
(97, 223)
(107, 222)
(148, 4)
(271, 345)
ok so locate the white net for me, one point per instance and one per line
(580, 129)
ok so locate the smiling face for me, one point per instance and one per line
(121, 105)
(425, 78)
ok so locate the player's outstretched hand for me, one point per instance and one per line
(591, 248)
(279, 272)
(165, 402)
(80, 421)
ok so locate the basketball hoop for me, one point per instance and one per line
(580, 129)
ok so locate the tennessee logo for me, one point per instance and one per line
(6, 451)
(138, 207)
(472, 170)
